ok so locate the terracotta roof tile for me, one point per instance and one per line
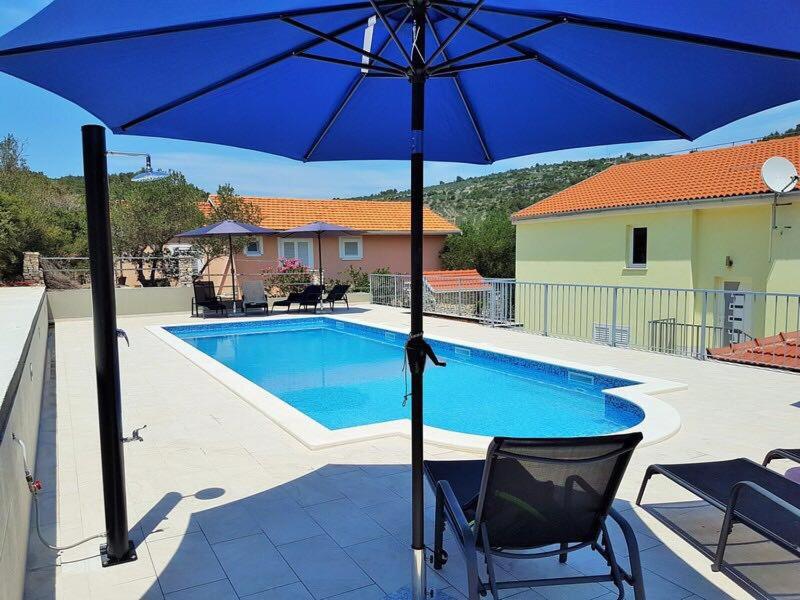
(365, 215)
(721, 173)
(454, 281)
(780, 351)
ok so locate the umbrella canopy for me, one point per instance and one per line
(228, 228)
(321, 229)
(489, 79)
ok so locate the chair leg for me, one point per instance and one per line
(727, 528)
(562, 558)
(439, 556)
(487, 554)
(635, 560)
(648, 474)
(616, 574)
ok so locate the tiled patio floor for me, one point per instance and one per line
(225, 504)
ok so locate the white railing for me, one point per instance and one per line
(679, 321)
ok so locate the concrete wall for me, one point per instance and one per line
(70, 304)
(23, 355)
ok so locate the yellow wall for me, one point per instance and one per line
(687, 248)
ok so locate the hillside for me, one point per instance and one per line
(507, 191)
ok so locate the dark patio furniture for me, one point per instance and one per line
(532, 493)
(292, 298)
(337, 294)
(784, 453)
(205, 297)
(253, 296)
(746, 492)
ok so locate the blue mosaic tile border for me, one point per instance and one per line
(445, 350)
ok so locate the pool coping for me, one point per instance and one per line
(660, 422)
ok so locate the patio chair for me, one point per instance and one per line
(311, 296)
(253, 296)
(748, 493)
(205, 297)
(782, 453)
(529, 494)
(337, 294)
(292, 298)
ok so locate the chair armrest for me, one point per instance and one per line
(464, 532)
(779, 453)
(738, 487)
(633, 548)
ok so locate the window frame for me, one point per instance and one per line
(631, 264)
(352, 238)
(282, 240)
(260, 252)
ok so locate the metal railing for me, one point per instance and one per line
(679, 321)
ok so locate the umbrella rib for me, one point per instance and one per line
(359, 79)
(391, 30)
(569, 74)
(464, 99)
(349, 63)
(185, 27)
(342, 43)
(678, 36)
(264, 64)
(451, 62)
(462, 23)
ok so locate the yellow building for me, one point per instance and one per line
(702, 220)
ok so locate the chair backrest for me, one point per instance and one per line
(537, 492)
(312, 293)
(337, 292)
(253, 292)
(204, 291)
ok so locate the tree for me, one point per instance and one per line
(228, 206)
(145, 216)
(486, 244)
(12, 155)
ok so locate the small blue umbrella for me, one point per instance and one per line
(362, 79)
(228, 228)
(321, 229)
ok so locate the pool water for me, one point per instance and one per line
(344, 375)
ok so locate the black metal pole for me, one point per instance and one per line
(319, 256)
(415, 347)
(118, 548)
(233, 271)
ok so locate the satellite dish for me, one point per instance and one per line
(779, 174)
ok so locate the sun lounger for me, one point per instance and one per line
(205, 297)
(337, 294)
(253, 296)
(746, 492)
(529, 494)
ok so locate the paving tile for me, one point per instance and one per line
(283, 520)
(226, 522)
(253, 564)
(293, 591)
(312, 489)
(324, 568)
(139, 589)
(371, 592)
(388, 563)
(345, 522)
(217, 590)
(184, 561)
(363, 489)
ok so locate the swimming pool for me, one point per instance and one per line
(345, 375)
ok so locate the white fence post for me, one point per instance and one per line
(703, 327)
(612, 339)
(545, 300)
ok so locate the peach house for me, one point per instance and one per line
(384, 243)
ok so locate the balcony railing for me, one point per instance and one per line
(680, 321)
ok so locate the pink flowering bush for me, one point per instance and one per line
(289, 275)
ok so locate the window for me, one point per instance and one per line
(254, 247)
(300, 248)
(351, 248)
(637, 256)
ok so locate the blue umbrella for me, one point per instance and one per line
(228, 228)
(486, 79)
(320, 229)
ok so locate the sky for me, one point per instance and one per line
(50, 128)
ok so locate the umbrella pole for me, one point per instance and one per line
(118, 548)
(415, 348)
(233, 271)
(319, 256)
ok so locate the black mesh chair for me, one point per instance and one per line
(292, 298)
(205, 297)
(530, 494)
(338, 293)
(748, 493)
